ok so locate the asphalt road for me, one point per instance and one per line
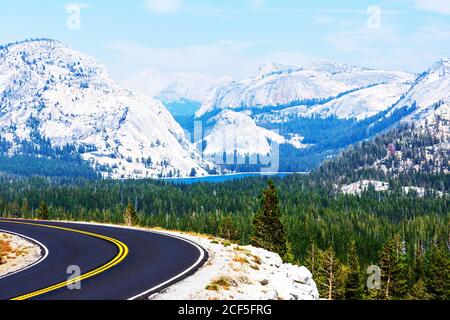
(115, 263)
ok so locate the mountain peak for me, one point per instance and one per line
(68, 97)
(331, 67)
(34, 42)
(272, 68)
(441, 66)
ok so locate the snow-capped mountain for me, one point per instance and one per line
(172, 87)
(278, 85)
(430, 92)
(48, 89)
(237, 132)
(319, 109)
(357, 105)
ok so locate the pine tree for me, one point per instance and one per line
(130, 216)
(400, 277)
(394, 276)
(419, 291)
(227, 229)
(438, 273)
(353, 281)
(25, 208)
(312, 261)
(330, 274)
(418, 265)
(388, 265)
(43, 211)
(14, 210)
(268, 231)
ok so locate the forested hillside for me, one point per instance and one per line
(415, 155)
(40, 157)
(311, 211)
(336, 235)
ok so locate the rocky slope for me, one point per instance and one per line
(242, 273)
(357, 105)
(235, 131)
(359, 187)
(283, 85)
(307, 105)
(430, 93)
(52, 91)
(48, 91)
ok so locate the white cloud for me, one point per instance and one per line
(436, 6)
(390, 47)
(163, 7)
(362, 40)
(233, 58)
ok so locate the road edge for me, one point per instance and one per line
(147, 294)
(204, 257)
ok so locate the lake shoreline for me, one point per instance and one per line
(227, 177)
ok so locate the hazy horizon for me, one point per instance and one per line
(233, 38)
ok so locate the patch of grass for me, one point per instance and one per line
(5, 249)
(240, 259)
(21, 253)
(222, 282)
(240, 249)
(257, 260)
(226, 244)
(212, 287)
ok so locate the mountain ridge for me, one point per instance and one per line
(51, 92)
(71, 98)
(365, 102)
(279, 84)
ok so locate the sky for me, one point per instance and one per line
(234, 37)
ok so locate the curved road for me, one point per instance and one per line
(115, 263)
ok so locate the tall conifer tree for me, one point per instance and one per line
(438, 272)
(130, 215)
(353, 283)
(268, 230)
(43, 211)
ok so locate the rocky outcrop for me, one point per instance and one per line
(286, 281)
(242, 273)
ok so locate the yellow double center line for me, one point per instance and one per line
(123, 252)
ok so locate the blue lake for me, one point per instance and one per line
(223, 178)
